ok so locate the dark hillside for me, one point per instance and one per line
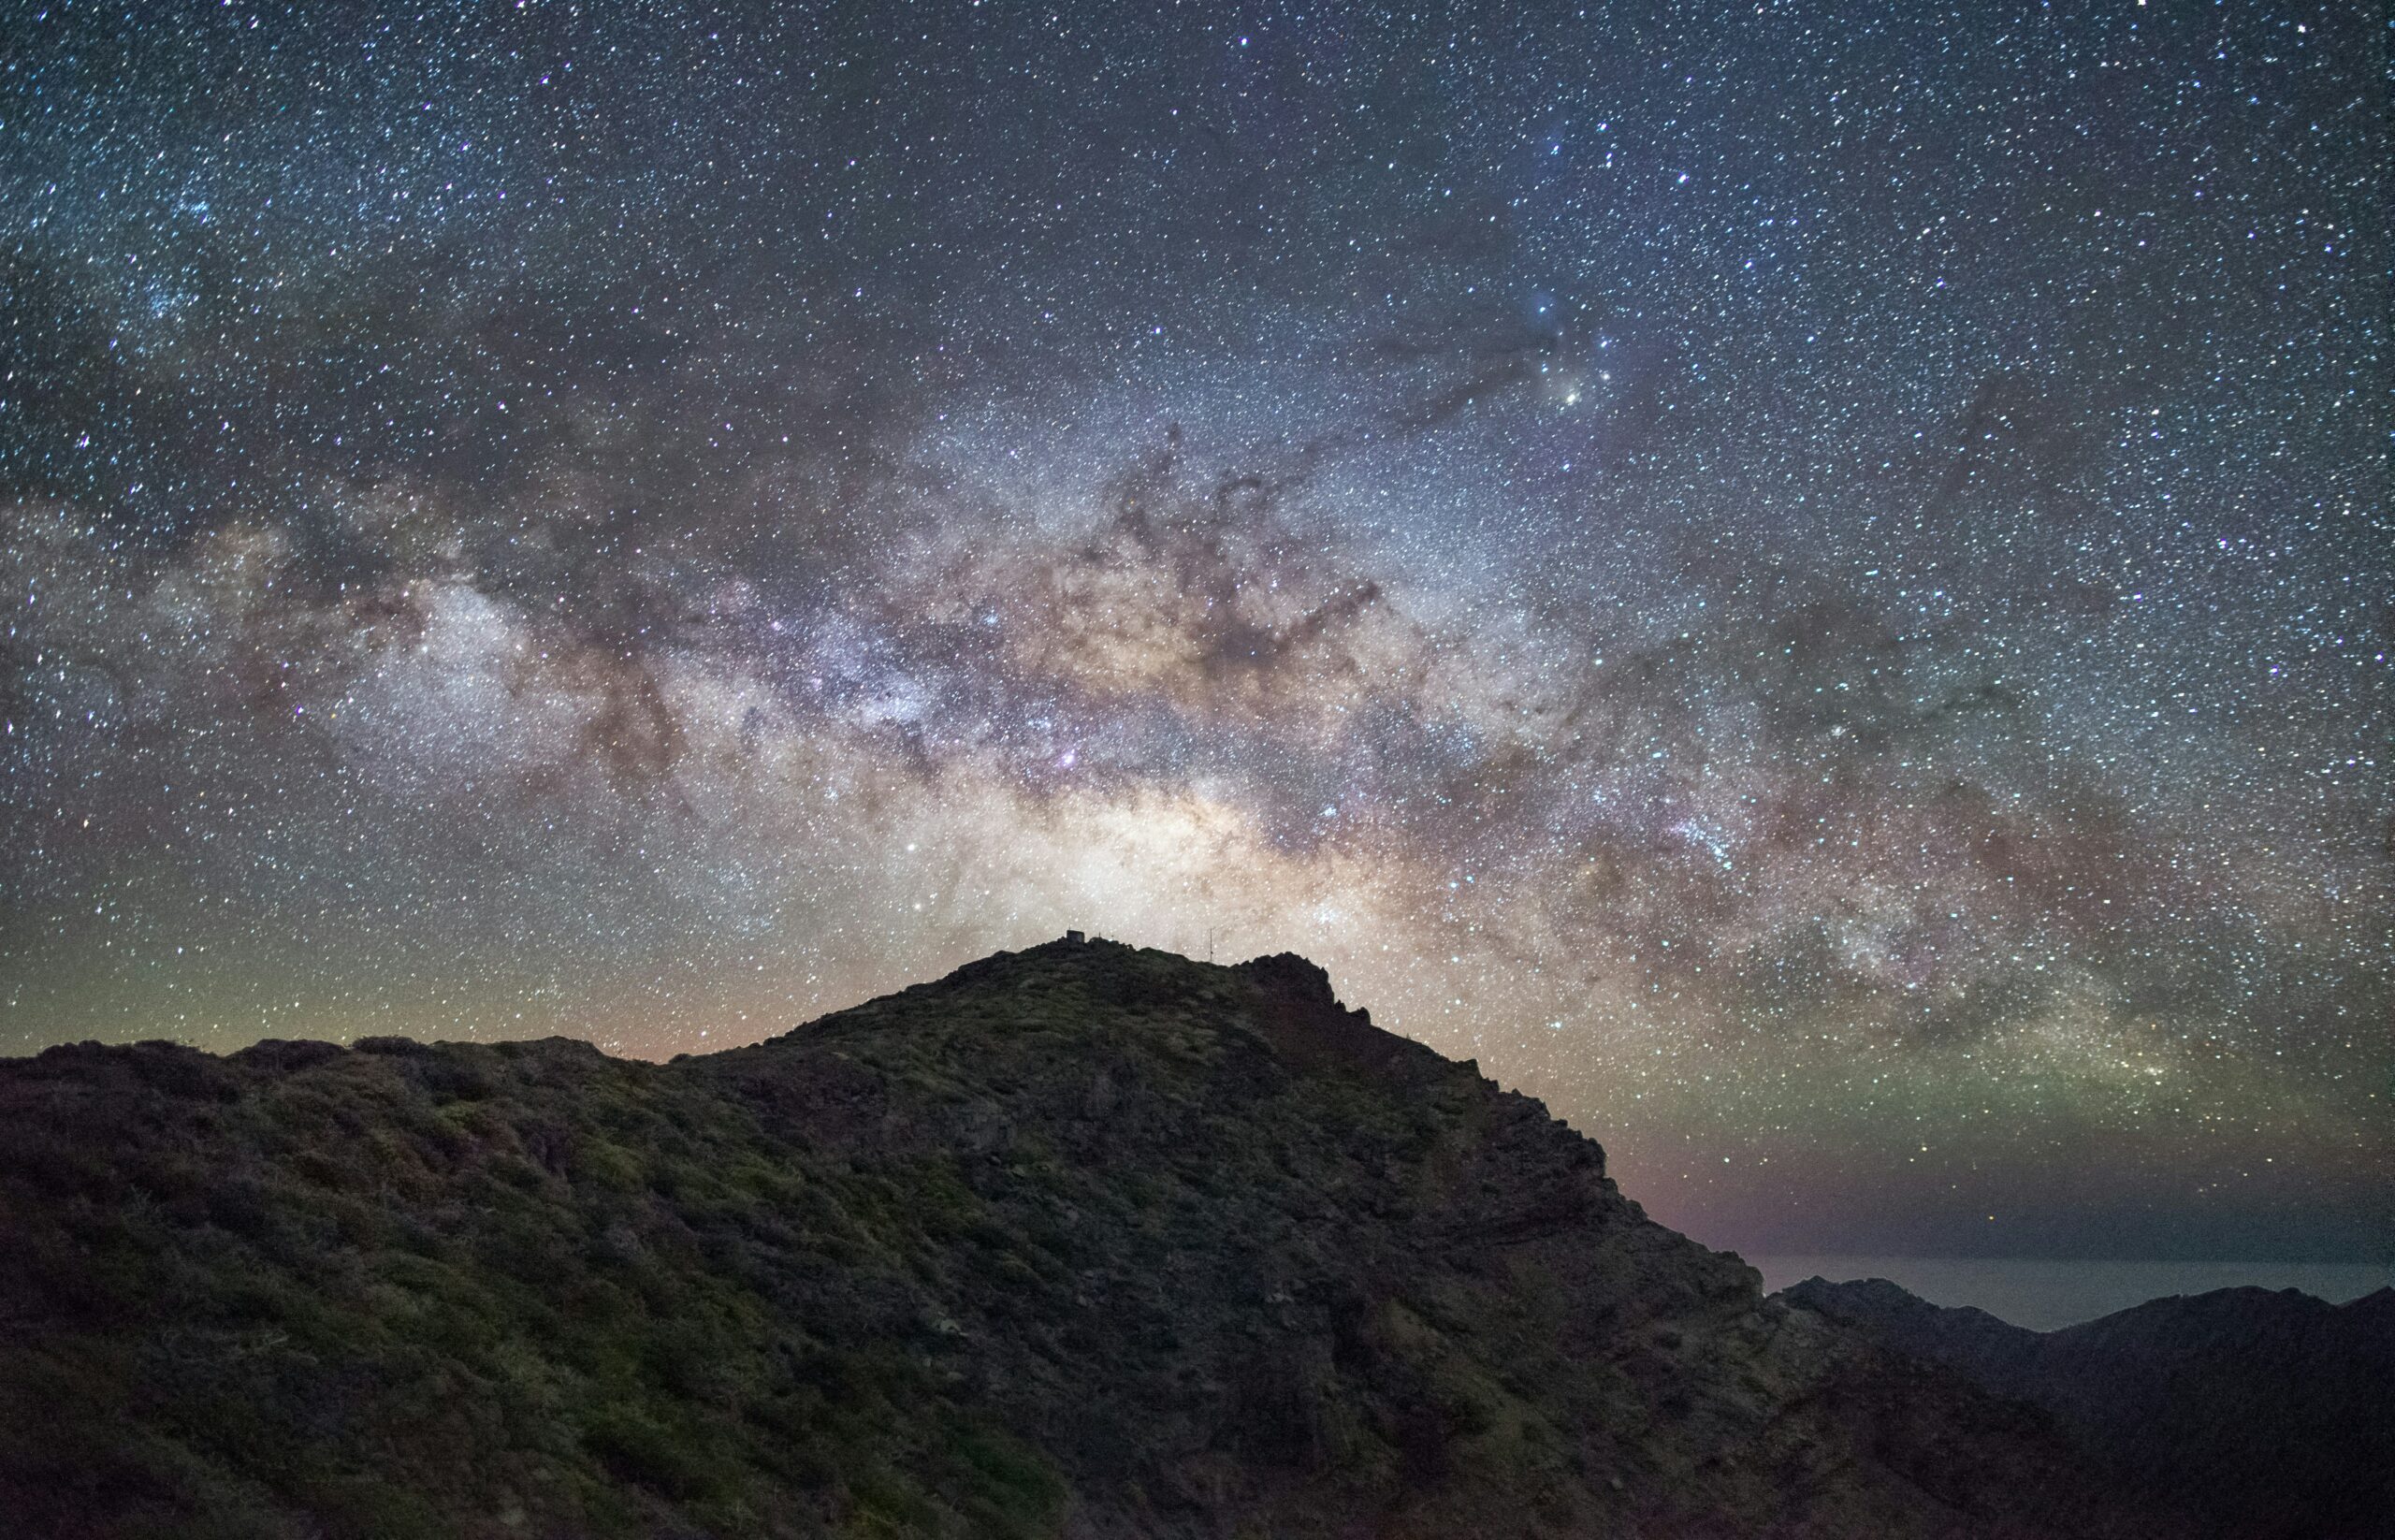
(1080, 1240)
(2266, 1414)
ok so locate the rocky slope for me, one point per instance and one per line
(2268, 1416)
(1080, 1240)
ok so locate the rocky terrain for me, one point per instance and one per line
(2265, 1414)
(1082, 1241)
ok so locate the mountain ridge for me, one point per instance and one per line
(2263, 1412)
(1079, 1241)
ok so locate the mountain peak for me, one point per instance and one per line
(1090, 984)
(1085, 1237)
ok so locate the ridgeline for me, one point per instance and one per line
(1081, 1240)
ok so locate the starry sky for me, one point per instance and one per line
(1811, 583)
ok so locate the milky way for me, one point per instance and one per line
(1814, 592)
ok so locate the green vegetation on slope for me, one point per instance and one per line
(1080, 1239)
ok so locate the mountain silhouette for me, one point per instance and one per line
(2260, 1414)
(1082, 1241)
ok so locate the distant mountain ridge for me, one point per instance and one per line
(1079, 1242)
(2266, 1414)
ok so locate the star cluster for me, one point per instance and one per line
(1813, 588)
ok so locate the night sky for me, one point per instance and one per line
(1811, 586)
